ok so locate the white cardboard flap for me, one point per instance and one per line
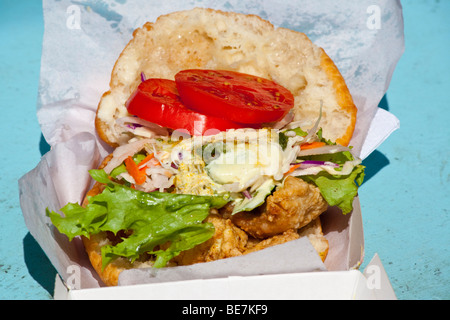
(378, 281)
(332, 285)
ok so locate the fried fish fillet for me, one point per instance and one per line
(228, 241)
(291, 206)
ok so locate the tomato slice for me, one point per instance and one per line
(236, 96)
(157, 101)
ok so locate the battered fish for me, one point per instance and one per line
(228, 241)
(291, 206)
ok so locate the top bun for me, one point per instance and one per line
(209, 39)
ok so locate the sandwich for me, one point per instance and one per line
(229, 136)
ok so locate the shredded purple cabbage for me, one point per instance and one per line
(247, 194)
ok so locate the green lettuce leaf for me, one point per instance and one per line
(258, 198)
(338, 157)
(155, 218)
(338, 190)
(283, 138)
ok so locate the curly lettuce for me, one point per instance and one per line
(338, 190)
(154, 219)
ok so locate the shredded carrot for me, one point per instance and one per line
(292, 168)
(152, 161)
(146, 159)
(155, 163)
(312, 145)
(139, 176)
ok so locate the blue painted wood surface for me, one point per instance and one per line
(405, 198)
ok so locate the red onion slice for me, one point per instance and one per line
(133, 123)
(323, 150)
(247, 194)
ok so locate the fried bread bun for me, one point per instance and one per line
(209, 39)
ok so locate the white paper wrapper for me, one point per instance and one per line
(82, 41)
(288, 258)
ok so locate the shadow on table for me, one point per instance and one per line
(44, 147)
(39, 266)
(376, 160)
(384, 104)
(374, 163)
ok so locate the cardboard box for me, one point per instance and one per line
(372, 284)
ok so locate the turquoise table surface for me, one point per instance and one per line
(404, 200)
